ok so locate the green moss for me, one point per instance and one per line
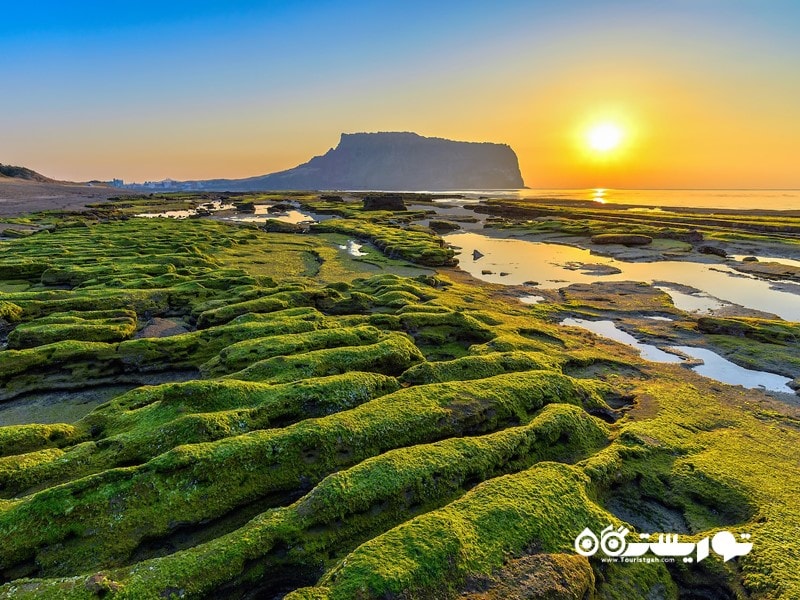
(91, 326)
(10, 311)
(391, 356)
(476, 367)
(543, 505)
(239, 355)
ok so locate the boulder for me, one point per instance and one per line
(384, 202)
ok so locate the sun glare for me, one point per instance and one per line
(604, 137)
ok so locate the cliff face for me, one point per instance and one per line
(394, 161)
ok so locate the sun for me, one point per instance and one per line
(604, 137)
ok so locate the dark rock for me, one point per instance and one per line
(384, 202)
(626, 239)
(487, 272)
(280, 207)
(443, 226)
(275, 226)
(504, 274)
(476, 254)
(715, 250)
(331, 198)
(245, 207)
(531, 283)
(546, 576)
(749, 259)
(693, 236)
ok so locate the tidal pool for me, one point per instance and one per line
(293, 215)
(721, 369)
(548, 263)
(713, 365)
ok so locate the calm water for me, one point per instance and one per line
(713, 365)
(551, 266)
(733, 199)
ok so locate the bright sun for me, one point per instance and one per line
(604, 137)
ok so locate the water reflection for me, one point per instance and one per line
(545, 263)
(352, 248)
(712, 364)
(716, 367)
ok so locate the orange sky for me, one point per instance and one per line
(707, 97)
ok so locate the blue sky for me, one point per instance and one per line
(205, 89)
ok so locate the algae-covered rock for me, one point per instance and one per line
(626, 239)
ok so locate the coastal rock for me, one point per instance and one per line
(549, 576)
(280, 207)
(476, 254)
(391, 161)
(275, 226)
(443, 226)
(626, 239)
(769, 270)
(244, 207)
(715, 250)
(384, 202)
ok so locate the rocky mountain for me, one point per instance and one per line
(392, 161)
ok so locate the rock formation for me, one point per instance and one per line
(392, 161)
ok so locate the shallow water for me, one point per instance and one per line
(727, 199)
(697, 303)
(547, 264)
(294, 216)
(353, 248)
(609, 330)
(714, 366)
(721, 369)
(215, 206)
(58, 406)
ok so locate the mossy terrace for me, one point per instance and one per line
(346, 432)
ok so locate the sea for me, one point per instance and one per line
(785, 200)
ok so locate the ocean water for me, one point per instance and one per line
(721, 199)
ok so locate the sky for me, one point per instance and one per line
(705, 92)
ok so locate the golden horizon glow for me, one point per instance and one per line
(604, 137)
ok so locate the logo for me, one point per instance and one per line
(614, 544)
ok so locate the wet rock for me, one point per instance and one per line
(280, 207)
(749, 259)
(504, 274)
(100, 584)
(443, 226)
(384, 202)
(626, 239)
(487, 272)
(552, 576)
(714, 250)
(692, 236)
(245, 207)
(531, 283)
(769, 270)
(476, 255)
(592, 268)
